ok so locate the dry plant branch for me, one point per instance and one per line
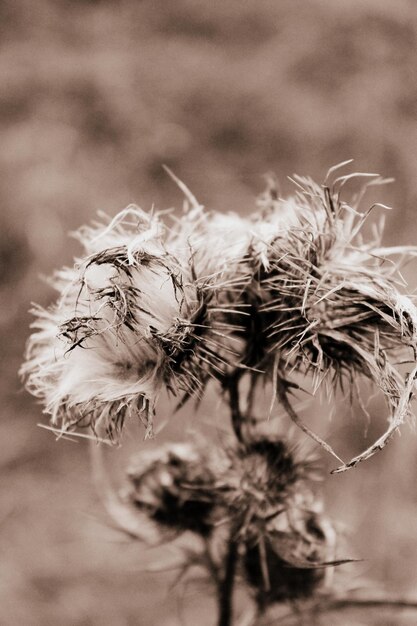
(215, 298)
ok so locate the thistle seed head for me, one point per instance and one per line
(95, 359)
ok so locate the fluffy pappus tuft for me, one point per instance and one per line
(96, 357)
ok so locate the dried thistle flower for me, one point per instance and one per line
(299, 290)
(175, 486)
(286, 543)
(261, 480)
(107, 347)
(132, 318)
(316, 299)
(332, 303)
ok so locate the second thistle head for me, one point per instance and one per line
(174, 486)
(263, 476)
(291, 559)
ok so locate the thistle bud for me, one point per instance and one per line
(174, 486)
(288, 560)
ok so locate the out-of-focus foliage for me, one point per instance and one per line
(95, 97)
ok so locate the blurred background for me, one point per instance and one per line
(95, 97)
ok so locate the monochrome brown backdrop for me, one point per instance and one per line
(96, 97)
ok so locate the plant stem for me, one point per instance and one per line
(339, 604)
(227, 584)
(395, 603)
(234, 402)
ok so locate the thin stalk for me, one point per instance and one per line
(393, 603)
(232, 386)
(339, 604)
(227, 585)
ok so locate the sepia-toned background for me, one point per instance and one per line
(95, 96)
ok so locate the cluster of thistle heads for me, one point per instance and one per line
(295, 290)
(254, 496)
